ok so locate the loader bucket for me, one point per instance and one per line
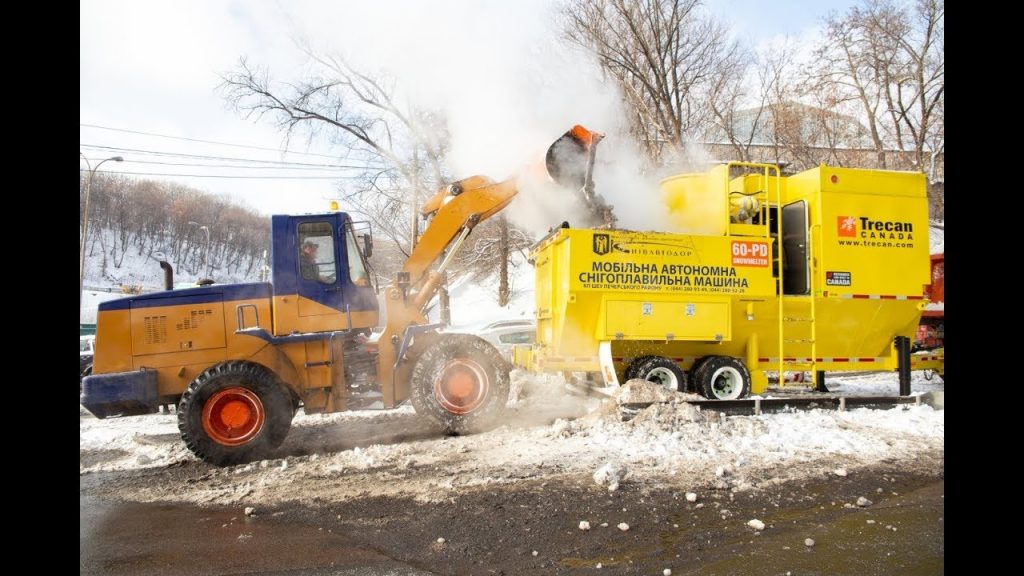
(570, 160)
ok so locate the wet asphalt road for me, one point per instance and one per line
(493, 532)
(172, 539)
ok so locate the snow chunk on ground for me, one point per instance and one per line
(611, 475)
(667, 417)
(641, 391)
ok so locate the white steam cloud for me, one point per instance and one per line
(509, 87)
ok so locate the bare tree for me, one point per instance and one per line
(404, 146)
(361, 115)
(666, 57)
(750, 103)
(887, 60)
(150, 216)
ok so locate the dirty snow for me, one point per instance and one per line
(544, 437)
(937, 237)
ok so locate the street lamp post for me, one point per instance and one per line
(85, 223)
(206, 247)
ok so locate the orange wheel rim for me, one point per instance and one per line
(462, 386)
(233, 416)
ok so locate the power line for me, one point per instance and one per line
(225, 176)
(203, 141)
(300, 167)
(226, 158)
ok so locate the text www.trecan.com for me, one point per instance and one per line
(876, 243)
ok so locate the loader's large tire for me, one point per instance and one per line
(662, 371)
(461, 382)
(234, 412)
(723, 378)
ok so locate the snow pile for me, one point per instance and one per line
(638, 390)
(397, 453)
(130, 442)
(937, 237)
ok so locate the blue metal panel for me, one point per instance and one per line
(340, 295)
(199, 295)
(124, 393)
(284, 251)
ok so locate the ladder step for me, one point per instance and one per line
(797, 319)
(804, 365)
(799, 341)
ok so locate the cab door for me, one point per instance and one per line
(320, 287)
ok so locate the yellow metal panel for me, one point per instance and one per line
(655, 320)
(588, 267)
(316, 317)
(176, 360)
(318, 376)
(113, 332)
(592, 285)
(180, 328)
(695, 202)
(874, 230)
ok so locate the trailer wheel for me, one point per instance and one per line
(695, 377)
(633, 370)
(234, 412)
(461, 382)
(662, 371)
(723, 378)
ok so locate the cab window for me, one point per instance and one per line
(316, 252)
(356, 266)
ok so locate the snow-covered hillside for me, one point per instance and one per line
(113, 268)
(111, 272)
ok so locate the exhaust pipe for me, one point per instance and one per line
(168, 275)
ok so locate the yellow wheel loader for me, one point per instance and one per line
(240, 359)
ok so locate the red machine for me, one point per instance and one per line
(931, 332)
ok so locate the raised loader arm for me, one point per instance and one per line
(457, 208)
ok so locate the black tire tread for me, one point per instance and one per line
(653, 362)
(633, 370)
(712, 364)
(276, 401)
(430, 362)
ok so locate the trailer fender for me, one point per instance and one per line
(604, 359)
